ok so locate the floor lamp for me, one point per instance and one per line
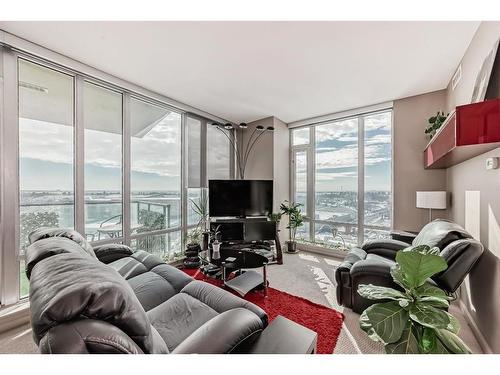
(432, 200)
(242, 151)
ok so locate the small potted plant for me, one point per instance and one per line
(200, 208)
(276, 217)
(196, 236)
(435, 122)
(295, 220)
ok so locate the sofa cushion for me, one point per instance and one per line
(219, 299)
(440, 233)
(110, 252)
(128, 267)
(179, 317)
(152, 280)
(68, 287)
(151, 289)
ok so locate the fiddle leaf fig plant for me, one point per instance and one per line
(413, 320)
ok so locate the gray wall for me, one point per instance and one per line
(409, 140)
(259, 165)
(481, 295)
(482, 42)
(281, 162)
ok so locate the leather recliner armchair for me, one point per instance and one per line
(113, 300)
(372, 262)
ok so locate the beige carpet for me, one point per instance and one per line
(305, 274)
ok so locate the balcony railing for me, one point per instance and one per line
(150, 215)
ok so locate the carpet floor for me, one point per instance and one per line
(326, 322)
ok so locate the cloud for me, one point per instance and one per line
(347, 139)
(334, 175)
(347, 129)
(345, 157)
(378, 139)
(45, 141)
(378, 121)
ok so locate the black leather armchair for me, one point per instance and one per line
(372, 262)
(113, 300)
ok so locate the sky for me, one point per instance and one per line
(47, 156)
(46, 161)
(337, 154)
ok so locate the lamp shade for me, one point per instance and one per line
(431, 199)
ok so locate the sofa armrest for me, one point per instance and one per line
(87, 336)
(223, 333)
(374, 270)
(386, 248)
(111, 252)
(343, 276)
(402, 235)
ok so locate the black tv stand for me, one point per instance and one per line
(238, 219)
(236, 237)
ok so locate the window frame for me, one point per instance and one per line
(310, 149)
(10, 256)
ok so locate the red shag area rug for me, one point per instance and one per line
(326, 322)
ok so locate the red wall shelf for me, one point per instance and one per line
(470, 130)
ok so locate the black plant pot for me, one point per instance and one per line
(291, 246)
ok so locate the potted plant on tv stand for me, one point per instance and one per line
(295, 220)
(200, 208)
(196, 238)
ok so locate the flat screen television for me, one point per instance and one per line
(240, 198)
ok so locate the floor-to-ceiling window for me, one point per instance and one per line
(155, 180)
(194, 168)
(341, 175)
(336, 180)
(378, 175)
(102, 118)
(113, 164)
(46, 152)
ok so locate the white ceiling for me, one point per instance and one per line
(244, 71)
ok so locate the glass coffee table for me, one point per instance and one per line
(241, 262)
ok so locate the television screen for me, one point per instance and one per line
(260, 230)
(240, 198)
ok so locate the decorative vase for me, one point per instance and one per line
(192, 260)
(216, 251)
